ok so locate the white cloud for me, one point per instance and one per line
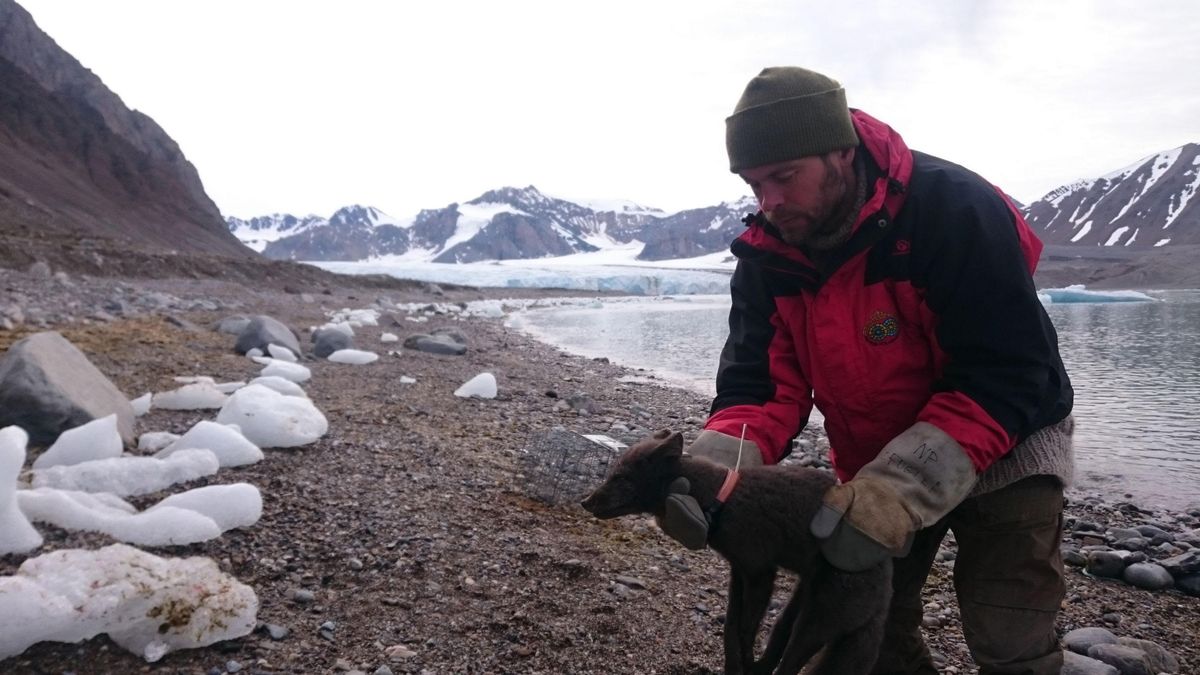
(305, 106)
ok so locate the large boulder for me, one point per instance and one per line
(48, 386)
(263, 331)
(329, 340)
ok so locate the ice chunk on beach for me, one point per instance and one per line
(389, 337)
(126, 476)
(16, 534)
(281, 353)
(229, 387)
(229, 506)
(1078, 293)
(280, 385)
(148, 605)
(482, 385)
(98, 439)
(193, 396)
(227, 443)
(273, 420)
(288, 371)
(108, 514)
(404, 379)
(153, 441)
(355, 357)
(141, 404)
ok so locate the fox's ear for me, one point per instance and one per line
(662, 434)
(674, 444)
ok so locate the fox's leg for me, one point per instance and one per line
(782, 631)
(755, 598)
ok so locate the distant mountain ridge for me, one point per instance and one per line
(1148, 204)
(503, 224)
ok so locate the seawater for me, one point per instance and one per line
(1135, 367)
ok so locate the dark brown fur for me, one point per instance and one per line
(763, 527)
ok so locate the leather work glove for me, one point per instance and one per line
(919, 477)
(684, 520)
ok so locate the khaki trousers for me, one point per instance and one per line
(1008, 577)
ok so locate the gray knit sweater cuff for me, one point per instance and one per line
(1048, 452)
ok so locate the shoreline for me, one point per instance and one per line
(411, 526)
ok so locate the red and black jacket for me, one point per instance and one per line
(928, 313)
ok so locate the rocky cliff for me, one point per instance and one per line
(75, 160)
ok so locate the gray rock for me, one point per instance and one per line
(40, 270)
(302, 596)
(276, 631)
(1182, 564)
(1132, 544)
(328, 340)
(232, 325)
(454, 334)
(1148, 576)
(48, 386)
(1127, 660)
(1081, 640)
(435, 344)
(264, 330)
(1189, 584)
(1155, 534)
(1106, 564)
(1161, 660)
(1078, 664)
(1073, 557)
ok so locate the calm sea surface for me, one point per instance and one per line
(1135, 368)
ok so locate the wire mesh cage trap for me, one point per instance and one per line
(563, 467)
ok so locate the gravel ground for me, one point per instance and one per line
(406, 540)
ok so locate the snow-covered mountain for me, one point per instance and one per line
(508, 223)
(1145, 205)
(1150, 203)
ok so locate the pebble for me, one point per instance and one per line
(304, 597)
(232, 667)
(276, 631)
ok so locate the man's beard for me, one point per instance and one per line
(832, 224)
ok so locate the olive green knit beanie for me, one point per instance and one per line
(787, 113)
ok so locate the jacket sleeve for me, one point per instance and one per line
(1001, 377)
(759, 381)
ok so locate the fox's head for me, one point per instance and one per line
(639, 482)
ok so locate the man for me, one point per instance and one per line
(894, 290)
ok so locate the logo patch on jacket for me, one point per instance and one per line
(881, 328)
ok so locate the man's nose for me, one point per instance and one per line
(769, 198)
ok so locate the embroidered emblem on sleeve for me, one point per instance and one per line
(881, 329)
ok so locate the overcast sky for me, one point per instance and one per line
(304, 107)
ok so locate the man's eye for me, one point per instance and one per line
(785, 177)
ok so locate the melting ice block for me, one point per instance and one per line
(125, 476)
(288, 371)
(194, 396)
(280, 352)
(98, 439)
(108, 514)
(16, 534)
(229, 506)
(147, 604)
(227, 443)
(273, 420)
(280, 385)
(354, 357)
(482, 385)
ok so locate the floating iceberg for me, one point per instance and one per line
(1077, 293)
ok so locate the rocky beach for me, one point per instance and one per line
(412, 538)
